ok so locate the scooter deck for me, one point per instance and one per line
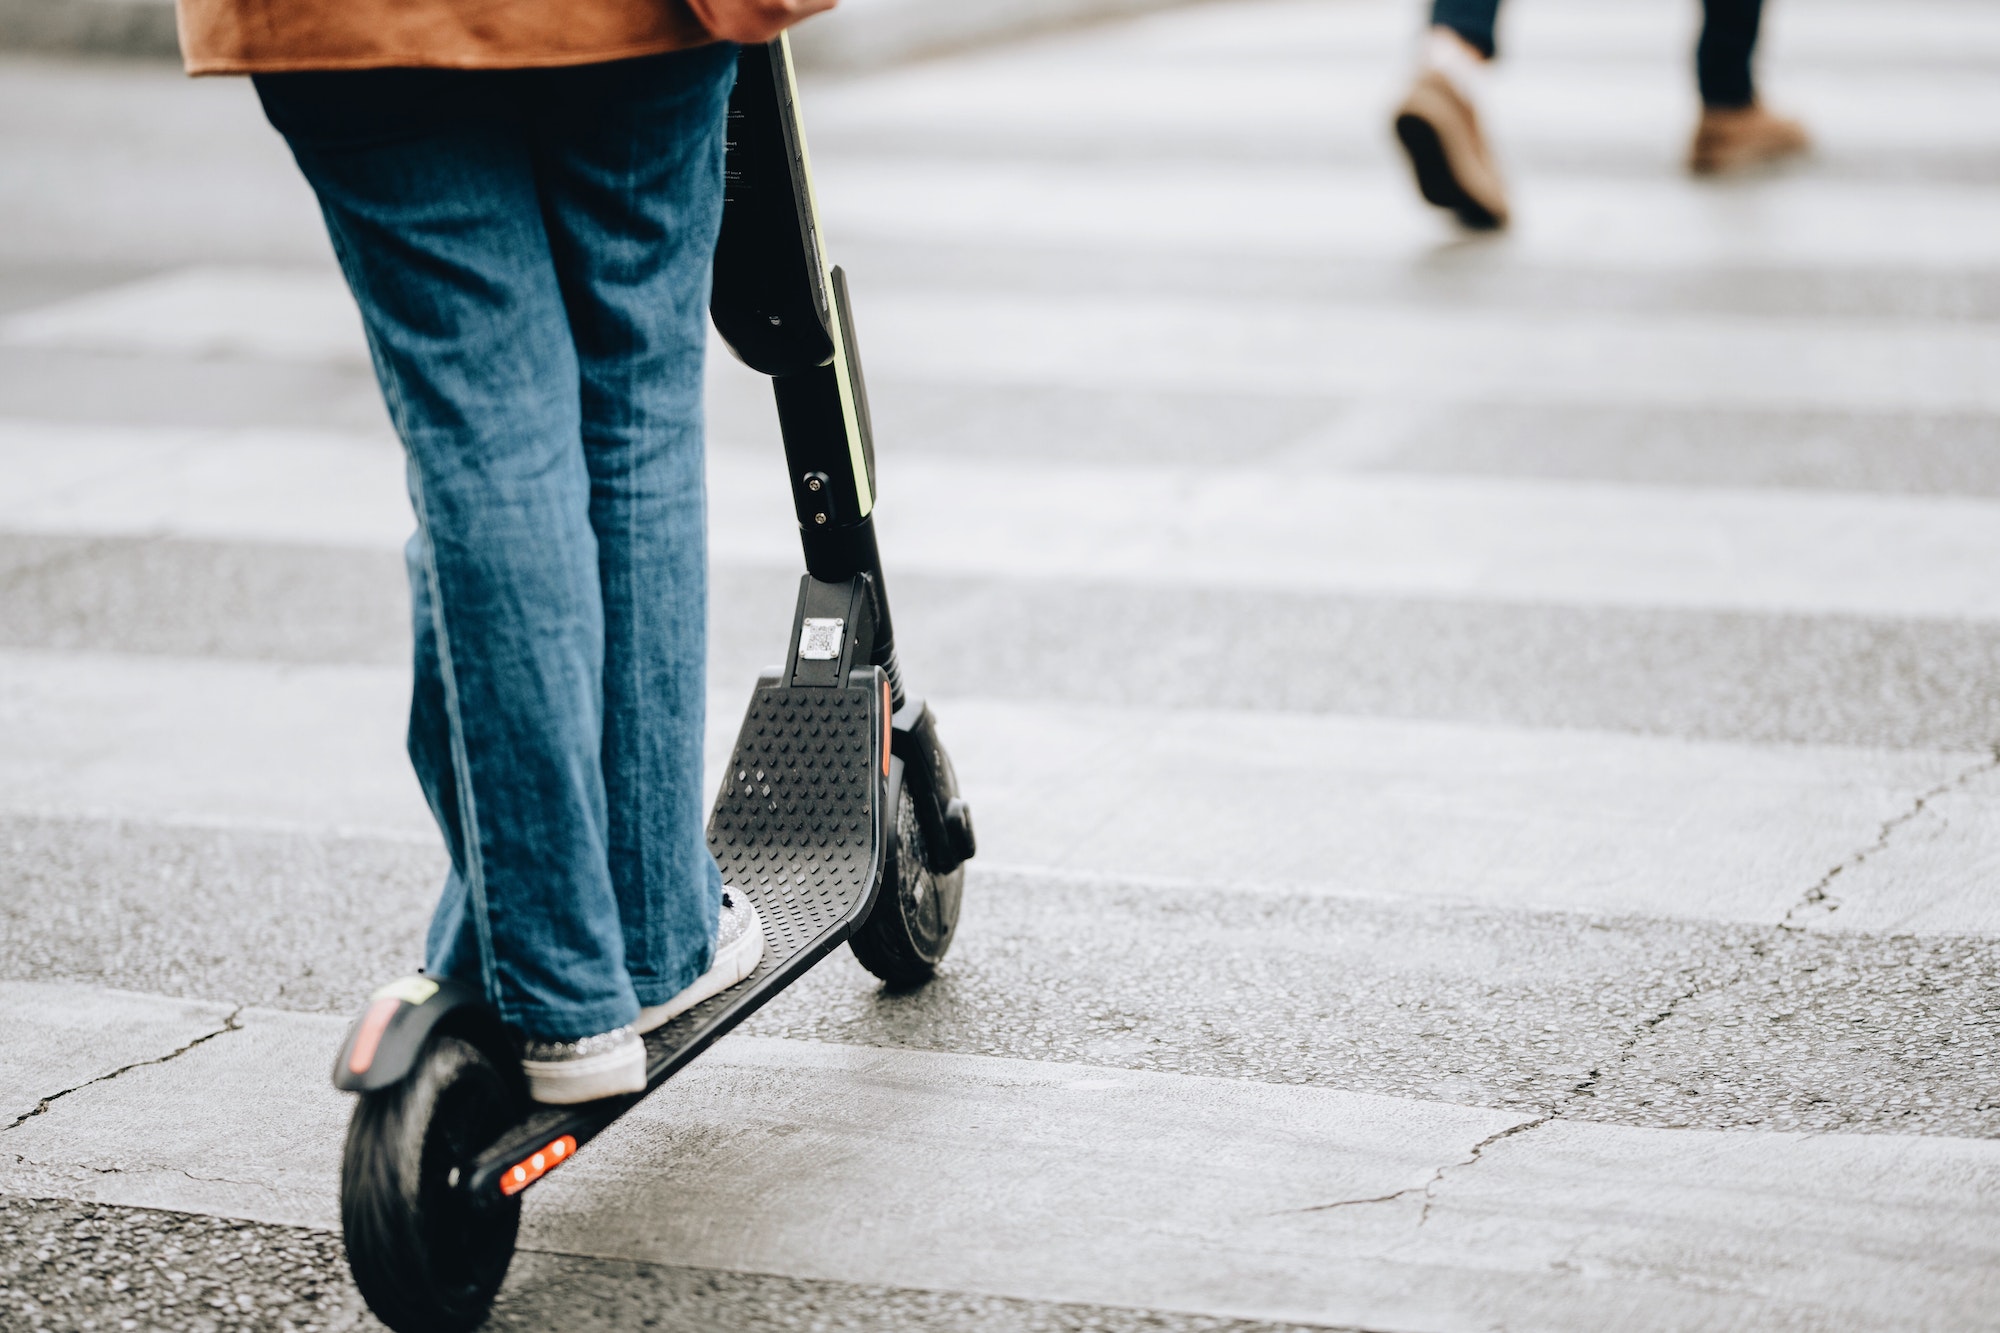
(799, 827)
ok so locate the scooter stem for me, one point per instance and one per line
(785, 312)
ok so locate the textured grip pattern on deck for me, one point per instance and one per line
(793, 823)
(793, 827)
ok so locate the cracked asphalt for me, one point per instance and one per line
(230, 1023)
(1766, 1027)
(1823, 896)
(1634, 962)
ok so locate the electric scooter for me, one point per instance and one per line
(839, 814)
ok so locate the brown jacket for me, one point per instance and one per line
(263, 36)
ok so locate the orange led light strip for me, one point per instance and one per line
(888, 722)
(531, 1169)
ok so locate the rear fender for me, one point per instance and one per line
(384, 1044)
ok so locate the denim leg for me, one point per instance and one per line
(630, 164)
(1722, 60)
(432, 206)
(1470, 19)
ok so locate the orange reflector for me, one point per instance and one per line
(888, 723)
(523, 1174)
(369, 1035)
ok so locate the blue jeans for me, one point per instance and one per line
(1722, 59)
(531, 251)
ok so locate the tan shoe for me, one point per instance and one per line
(1743, 137)
(1440, 131)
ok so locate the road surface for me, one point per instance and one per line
(1484, 748)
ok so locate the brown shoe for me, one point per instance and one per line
(1743, 137)
(1440, 132)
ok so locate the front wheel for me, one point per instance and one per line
(427, 1257)
(909, 930)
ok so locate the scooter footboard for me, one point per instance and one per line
(797, 823)
(799, 827)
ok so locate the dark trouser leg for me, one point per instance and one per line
(1728, 43)
(1470, 19)
(427, 183)
(630, 165)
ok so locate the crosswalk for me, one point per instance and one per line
(1542, 540)
(1483, 748)
(1127, 1188)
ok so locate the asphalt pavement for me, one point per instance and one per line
(1483, 746)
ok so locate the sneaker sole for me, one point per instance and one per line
(1435, 179)
(568, 1082)
(1715, 163)
(731, 968)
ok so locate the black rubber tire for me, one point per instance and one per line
(910, 928)
(427, 1260)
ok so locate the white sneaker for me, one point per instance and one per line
(563, 1073)
(739, 947)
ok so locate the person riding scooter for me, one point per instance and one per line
(524, 200)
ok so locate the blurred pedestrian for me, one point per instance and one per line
(524, 198)
(1439, 122)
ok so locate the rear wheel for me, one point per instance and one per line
(427, 1257)
(909, 930)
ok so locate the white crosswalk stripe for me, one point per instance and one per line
(1109, 1185)
(1552, 541)
(1155, 107)
(1162, 343)
(1570, 821)
(1318, 214)
(1684, 1029)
